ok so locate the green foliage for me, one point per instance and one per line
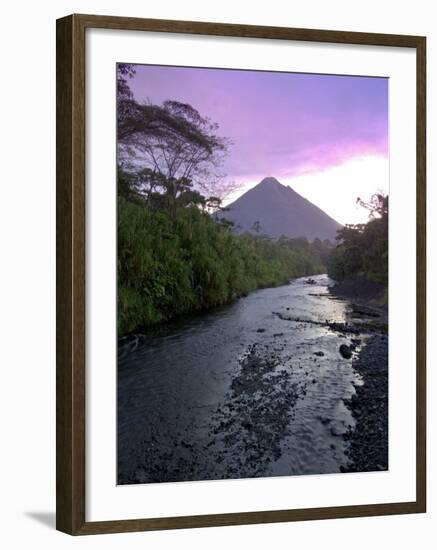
(363, 248)
(170, 263)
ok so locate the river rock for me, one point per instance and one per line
(345, 351)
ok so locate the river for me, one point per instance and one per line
(256, 388)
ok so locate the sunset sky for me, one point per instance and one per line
(325, 136)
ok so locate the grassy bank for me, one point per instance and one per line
(176, 262)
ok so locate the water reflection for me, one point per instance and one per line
(252, 389)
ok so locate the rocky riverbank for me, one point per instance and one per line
(290, 381)
(361, 291)
(368, 441)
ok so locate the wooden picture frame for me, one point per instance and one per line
(71, 248)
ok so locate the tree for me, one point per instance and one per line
(362, 249)
(377, 206)
(127, 107)
(171, 140)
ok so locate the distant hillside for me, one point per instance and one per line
(274, 209)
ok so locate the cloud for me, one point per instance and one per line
(281, 124)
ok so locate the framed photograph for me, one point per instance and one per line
(240, 274)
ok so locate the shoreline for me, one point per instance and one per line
(175, 320)
(368, 440)
(361, 291)
(247, 425)
(369, 407)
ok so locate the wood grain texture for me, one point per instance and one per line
(421, 274)
(247, 518)
(63, 276)
(71, 280)
(246, 31)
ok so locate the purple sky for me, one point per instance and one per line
(281, 124)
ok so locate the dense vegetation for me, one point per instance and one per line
(362, 249)
(173, 264)
(173, 257)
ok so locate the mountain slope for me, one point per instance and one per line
(275, 209)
